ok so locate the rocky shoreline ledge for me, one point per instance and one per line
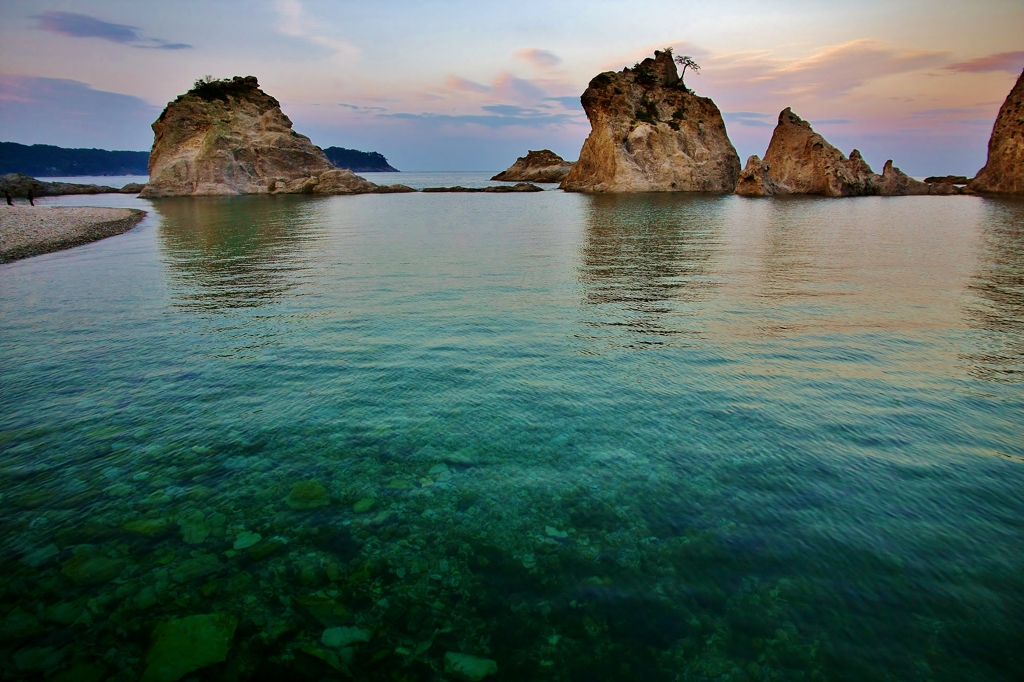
(31, 231)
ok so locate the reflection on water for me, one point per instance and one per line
(648, 259)
(243, 252)
(998, 284)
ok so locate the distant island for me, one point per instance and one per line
(359, 162)
(49, 161)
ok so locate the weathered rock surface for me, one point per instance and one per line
(518, 187)
(948, 179)
(1004, 169)
(755, 180)
(19, 185)
(803, 162)
(186, 644)
(542, 166)
(230, 137)
(800, 161)
(650, 134)
(469, 668)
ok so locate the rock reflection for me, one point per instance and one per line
(997, 309)
(235, 253)
(648, 259)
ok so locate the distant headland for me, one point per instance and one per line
(44, 160)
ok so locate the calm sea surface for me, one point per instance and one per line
(650, 437)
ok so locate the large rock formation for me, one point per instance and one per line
(650, 134)
(1004, 169)
(800, 161)
(542, 166)
(230, 137)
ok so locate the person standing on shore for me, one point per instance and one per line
(31, 199)
(7, 195)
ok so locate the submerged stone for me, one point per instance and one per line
(553, 532)
(364, 505)
(87, 568)
(191, 569)
(307, 495)
(187, 644)
(146, 527)
(246, 539)
(469, 668)
(194, 529)
(82, 672)
(344, 636)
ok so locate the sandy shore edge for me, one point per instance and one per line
(31, 231)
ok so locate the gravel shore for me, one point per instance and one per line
(32, 230)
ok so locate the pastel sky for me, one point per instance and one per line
(470, 85)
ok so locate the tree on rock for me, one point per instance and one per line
(686, 61)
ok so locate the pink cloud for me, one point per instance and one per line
(1003, 61)
(541, 59)
(464, 85)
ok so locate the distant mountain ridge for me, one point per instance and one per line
(49, 161)
(359, 162)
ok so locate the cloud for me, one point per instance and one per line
(85, 26)
(937, 113)
(1003, 61)
(464, 85)
(294, 22)
(499, 116)
(831, 121)
(570, 102)
(72, 114)
(356, 107)
(751, 119)
(541, 59)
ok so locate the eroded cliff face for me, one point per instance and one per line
(230, 137)
(539, 166)
(649, 134)
(1004, 169)
(800, 161)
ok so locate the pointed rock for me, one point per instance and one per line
(542, 166)
(1004, 169)
(803, 162)
(755, 180)
(893, 182)
(650, 134)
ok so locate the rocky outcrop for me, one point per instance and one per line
(542, 166)
(230, 137)
(948, 179)
(800, 161)
(1004, 169)
(755, 180)
(501, 189)
(650, 134)
(19, 186)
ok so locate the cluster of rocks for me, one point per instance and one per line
(801, 161)
(536, 166)
(19, 185)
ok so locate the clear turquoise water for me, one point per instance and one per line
(683, 438)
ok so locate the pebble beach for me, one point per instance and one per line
(33, 230)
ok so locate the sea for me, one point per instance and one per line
(540, 436)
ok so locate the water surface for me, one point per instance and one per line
(604, 438)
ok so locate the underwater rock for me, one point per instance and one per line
(149, 528)
(364, 505)
(194, 529)
(37, 658)
(39, 556)
(340, 637)
(553, 532)
(245, 539)
(191, 569)
(82, 672)
(89, 568)
(186, 644)
(18, 625)
(307, 495)
(469, 668)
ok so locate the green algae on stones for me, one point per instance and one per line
(146, 527)
(307, 495)
(364, 505)
(246, 539)
(469, 668)
(340, 637)
(89, 568)
(186, 644)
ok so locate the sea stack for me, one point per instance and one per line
(649, 133)
(230, 137)
(1004, 169)
(801, 161)
(541, 166)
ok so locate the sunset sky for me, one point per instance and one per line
(453, 85)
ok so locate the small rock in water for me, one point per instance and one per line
(344, 636)
(246, 539)
(38, 557)
(307, 495)
(469, 668)
(194, 529)
(553, 532)
(87, 568)
(364, 505)
(187, 644)
(196, 568)
(147, 527)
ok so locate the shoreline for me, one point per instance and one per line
(33, 231)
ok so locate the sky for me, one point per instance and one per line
(470, 85)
